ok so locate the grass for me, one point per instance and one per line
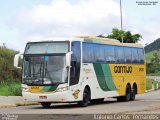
(155, 85)
(149, 84)
(12, 89)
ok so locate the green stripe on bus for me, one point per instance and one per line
(49, 88)
(108, 76)
(100, 76)
(104, 77)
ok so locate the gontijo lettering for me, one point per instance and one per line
(123, 69)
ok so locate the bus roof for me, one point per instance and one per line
(91, 39)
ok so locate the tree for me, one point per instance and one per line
(153, 67)
(128, 37)
(156, 58)
(7, 71)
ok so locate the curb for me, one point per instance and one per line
(8, 105)
(14, 101)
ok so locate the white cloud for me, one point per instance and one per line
(61, 18)
(149, 30)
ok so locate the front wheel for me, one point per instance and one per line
(86, 98)
(46, 104)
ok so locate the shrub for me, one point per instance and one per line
(15, 90)
(7, 71)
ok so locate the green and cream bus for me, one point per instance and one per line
(82, 70)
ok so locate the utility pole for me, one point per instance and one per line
(121, 20)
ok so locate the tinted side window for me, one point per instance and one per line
(88, 55)
(128, 55)
(110, 54)
(120, 54)
(135, 58)
(141, 55)
(99, 53)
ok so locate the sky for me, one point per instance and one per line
(27, 20)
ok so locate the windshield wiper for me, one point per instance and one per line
(39, 71)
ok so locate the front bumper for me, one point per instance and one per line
(65, 96)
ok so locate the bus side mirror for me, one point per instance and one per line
(68, 59)
(16, 60)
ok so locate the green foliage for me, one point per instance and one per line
(153, 62)
(7, 70)
(153, 69)
(148, 84)
(155, 84)
(149, 55)
(156, 58)
(11, 89)
(15, 90)
(128, 37)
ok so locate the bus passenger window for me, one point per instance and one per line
(99, 53)
(135, 58)
(128, 55)
(141, 55)
(120, 54)
(88, 55)
(110, 54)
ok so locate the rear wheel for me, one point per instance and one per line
(86, 98)
(127, 97)
(46, 104)
(133, 93)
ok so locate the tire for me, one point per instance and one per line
(97, 100)
(46, 104)
(120, 99)
(127, 97)
(133, 94)
(86, 98)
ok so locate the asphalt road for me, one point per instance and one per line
(147, 103)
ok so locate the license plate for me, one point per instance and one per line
(42, 97)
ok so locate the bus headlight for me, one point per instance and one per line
(62, 89)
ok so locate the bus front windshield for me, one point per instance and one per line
(39, 70)
(44, 63)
